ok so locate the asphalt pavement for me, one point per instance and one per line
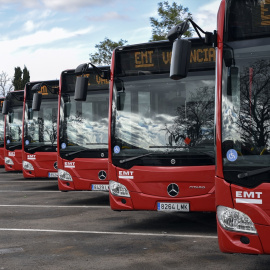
(43, 228)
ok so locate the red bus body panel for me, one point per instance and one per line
(149, 186)
(16, 157)
(42, 162)
(2, 156)
(227, 194)
(84, 173)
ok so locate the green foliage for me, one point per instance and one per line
(20, 78)
(26, 76)
(170, 16)
(105, 49)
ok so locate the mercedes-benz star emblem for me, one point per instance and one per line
(55, 165)
(102, 175)
(173, 190)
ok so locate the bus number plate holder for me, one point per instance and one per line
(100, 187)
(53, 174)
(173, 207)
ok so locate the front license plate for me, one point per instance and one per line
(53, 174)
(173, 207)
(100, 187)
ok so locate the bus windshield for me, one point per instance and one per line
(162, 119)
(84, 124)
(40, 127)
(246, 109)
(14, 128)
(2, 129)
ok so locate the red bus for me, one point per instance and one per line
(2, 134)
(13, 109)
(161, 132)
(242, 126)
(83, 132)
(39, 156)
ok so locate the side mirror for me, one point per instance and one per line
(81, 87)
(5, 108)
(37, 97)
(180, 59)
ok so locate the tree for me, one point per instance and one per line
(170, 16)
(26, 76)
(20, 78)
(105, 49)
(5, 84)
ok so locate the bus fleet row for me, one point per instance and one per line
(199, 142)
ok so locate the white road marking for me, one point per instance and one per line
(113, 233)
(29, 181)
(10, 250)
(55, 206)
(35, 191)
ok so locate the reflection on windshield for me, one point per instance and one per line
(41, 126)
(14, 126)
(246, 109)
(164, 116)
(2, 126)
(84, 125)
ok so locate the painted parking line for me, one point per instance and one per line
(28, 181)
(111, 233)
(33, 191)
(55, 206)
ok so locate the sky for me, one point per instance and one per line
(49, 36)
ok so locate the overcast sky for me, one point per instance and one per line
(49, 36)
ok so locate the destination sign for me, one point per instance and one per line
(158, 59)
(95, 82)
(248, 20)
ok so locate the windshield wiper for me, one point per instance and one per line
(132, 158)
(40, 147)
(76, 152)
(254, 172)
(14, 146)
(33, 148)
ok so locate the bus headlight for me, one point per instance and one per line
(9, 161)
(64, 175)
(234, 220)
(27, 166)
(118, 189)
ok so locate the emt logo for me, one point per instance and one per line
(126, 174)
(31, 157)
(69, 165)
(11, 154)
(248, 197)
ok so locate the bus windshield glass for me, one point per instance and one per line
(2, 129)
(14, 122)
(84, 124)
(160, 119)
(246, 109)
(40, 127)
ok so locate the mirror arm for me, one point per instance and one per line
(102, 74)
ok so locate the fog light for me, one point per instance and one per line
(118, 189)
(9, 161)
(27, 166)
(64, 175)
(234, 220)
